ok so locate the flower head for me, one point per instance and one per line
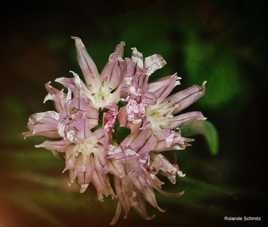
(88, 116)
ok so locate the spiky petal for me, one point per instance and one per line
(88, 117)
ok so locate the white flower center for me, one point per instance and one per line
(87, 147)
(158, 115)
(102, 96)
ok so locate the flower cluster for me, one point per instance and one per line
(89, 115)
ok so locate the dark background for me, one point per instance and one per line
(222, 42)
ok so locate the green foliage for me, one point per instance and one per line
(16, 115)
(120, 133)
(138, 32)
(35, 159)
(121, 103)
(206, 129)
(216, 65)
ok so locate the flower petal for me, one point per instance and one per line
(184, 118)
(59, 145)
(140, 140)
(122, 117)
(153, 63)
(86, 63)
(137, 57)
(186, 97)
(116, 215)
(151, 199)
(116, 168)
(112, 72)
(161, 89)
(160, 163)
(70, 84)
(57, 96)
(43, 124)
(148, 146)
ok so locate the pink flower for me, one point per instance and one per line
(152, 104)
(88, 115)
(142, 166)
(102, 89)
(72, 121)
(109, 118)
(86, 161)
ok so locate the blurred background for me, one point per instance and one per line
(221, 42)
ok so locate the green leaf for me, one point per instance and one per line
(215, 64)
(198, 193)
(120, 134)
(121, 103)
(206, 129)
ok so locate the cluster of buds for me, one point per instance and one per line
(89, 115)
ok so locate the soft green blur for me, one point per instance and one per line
(32, 185)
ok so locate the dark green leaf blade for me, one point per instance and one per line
(206, 129)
